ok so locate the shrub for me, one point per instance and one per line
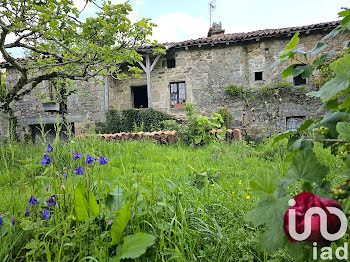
(129, 120)
(226, 116)
(235, 90)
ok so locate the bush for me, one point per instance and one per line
(226, 116)
(129, 120)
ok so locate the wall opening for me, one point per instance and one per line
(298, 80)
(49, 129)
(139, 96)
(170, 63)
(294, 122)
(177, 94)
(258, 76)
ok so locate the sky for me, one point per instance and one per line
(179, 20)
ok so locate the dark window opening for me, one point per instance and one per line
(49, 129)
(170, 63)
(294, 122)
(258, 76)
(139, 96)
(298, 80)
(177, 94)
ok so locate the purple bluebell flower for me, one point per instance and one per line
(26, 212)
(46, 214)
(1, 222)
(13, 221)
(64, 175)
(51, 201)
(46, 160)
(33, 201)
(49, 148)
(110, 222)
(79, 171)
(77, 156)
(90, 159)
(103, 160)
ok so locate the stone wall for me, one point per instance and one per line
(208, 69)
(84, 108)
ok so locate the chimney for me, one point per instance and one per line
(216, 29)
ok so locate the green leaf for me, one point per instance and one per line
(318, 48)
(293, 42)
(115, 199)
(288, 71)
(343, 128)
(341, 66)
(272, 240)
(265, 182)
(333, 33)
(332, 88)
(320, 60)
(345, 104)
(331, 120)
(297, 70)
(120, 222)
(80, 202)
(94, 208)
(286, 134)
(135, 245)
(306, 167)
(308, 70)
(305, 125)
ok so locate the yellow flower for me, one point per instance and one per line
(240, 182)
(233, 193)
(74, 218)
(248, 188)
(212, 185)
(247, 197)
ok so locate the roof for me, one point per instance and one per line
(239, 37)
(228, 38)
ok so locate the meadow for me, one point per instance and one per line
(140, 201)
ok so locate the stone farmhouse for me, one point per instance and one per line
(197, 71)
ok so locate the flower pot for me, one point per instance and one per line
(178, 106)
(51, 107)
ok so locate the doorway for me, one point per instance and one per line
(139, 96)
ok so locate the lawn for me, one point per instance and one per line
(155, 202)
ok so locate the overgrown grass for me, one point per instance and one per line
(192, 199)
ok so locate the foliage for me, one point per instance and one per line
(235, 90)
(226, 116)
(306, 173)
(62, 45)
(132, 120)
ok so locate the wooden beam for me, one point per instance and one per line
(155, 62)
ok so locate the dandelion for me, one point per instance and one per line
(79, 171)
(13, 221)
(77, 156)
(74, 218)
(49, 148)
(1, 222)
(51, 202)
(103, 160)
(240, 182)
(64, 175)
(33, 201)
(46, 214)
(90, 159)
(46, 160)
(247, 197)
(212, 185)
(26, 212)
(233, 193)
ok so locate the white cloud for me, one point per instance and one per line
(175, 27)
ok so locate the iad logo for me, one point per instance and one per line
(326, 252)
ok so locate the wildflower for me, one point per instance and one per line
(74, 218)
(103, 160)
(247, 197)
(13, 221)
(33, 201)
(90, 159)
(212, 185)
(248, 188)
(1, 222)
(64, 175)
(79, 171)
(110, 222)
(49, 148)
(240, 182)
(26, 212)
(76, 156)
(233, 193)
(46, 214)
(46, 160)
(51, 201)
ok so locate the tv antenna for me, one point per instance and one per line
(212, 6)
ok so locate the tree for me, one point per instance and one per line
(62, 46)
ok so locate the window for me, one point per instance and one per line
(258, 76)
(177, 94)
(298, 80)
(170, 63)
(139, 96)
(294, 122)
